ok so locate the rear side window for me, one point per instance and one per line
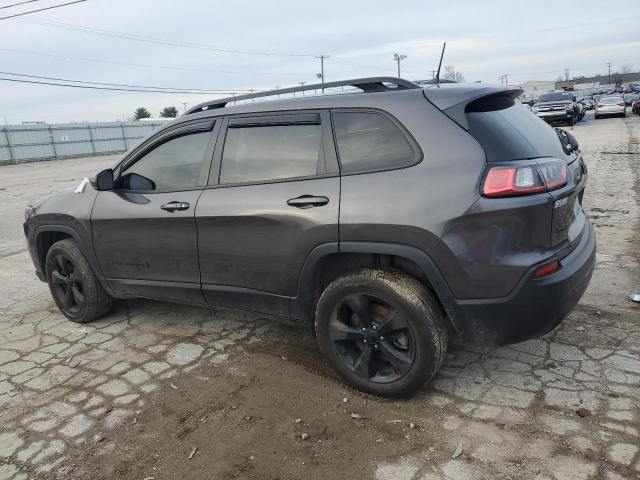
(271, 152)
(370, 141)
(508, 131)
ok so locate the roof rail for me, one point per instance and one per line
(367, 85)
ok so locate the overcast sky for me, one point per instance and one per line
(529, 40)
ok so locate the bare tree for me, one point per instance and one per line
(626, 68)
(451, 74)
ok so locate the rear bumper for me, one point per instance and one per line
(604, 113)
(535, 307)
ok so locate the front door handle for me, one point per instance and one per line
(173, 206)
(307, 201)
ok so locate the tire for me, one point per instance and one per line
(73, 285)
(404, 353)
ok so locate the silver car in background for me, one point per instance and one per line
(608, 106)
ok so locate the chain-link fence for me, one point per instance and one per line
(26, 143)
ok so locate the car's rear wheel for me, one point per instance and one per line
(382, 331)
(74, 287)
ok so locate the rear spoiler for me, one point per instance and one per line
(453, 98)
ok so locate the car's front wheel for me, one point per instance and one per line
(74, 287)
(382, 331)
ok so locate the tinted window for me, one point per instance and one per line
(611, 100)
(370, 141)
(172, 165)
(508, 132)
(273, 152)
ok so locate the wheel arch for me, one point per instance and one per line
(328, 261)
(46, 235)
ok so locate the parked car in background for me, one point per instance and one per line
(589, 103)
(635, 108)
(611, 106)
(558, 107)
(629, 98)
(321, 211)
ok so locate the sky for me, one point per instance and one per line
(243, 45)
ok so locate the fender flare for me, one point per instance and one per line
(417, 256)
(89, 255)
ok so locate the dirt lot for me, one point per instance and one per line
(159, 391)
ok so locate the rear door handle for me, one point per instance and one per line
(307, 201)
(173, 206)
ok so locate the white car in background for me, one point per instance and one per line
(608, 106)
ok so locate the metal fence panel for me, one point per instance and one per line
(20, 143)
(108, 146)
(3, 138)
(29, 136)
(33, 151)
(5, 155)
(73, 148)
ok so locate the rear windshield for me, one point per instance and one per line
(555, 97)
(509, 131)
(611, 100)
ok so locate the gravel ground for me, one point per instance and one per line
(157, 391)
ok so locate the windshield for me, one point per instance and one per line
(554, 97)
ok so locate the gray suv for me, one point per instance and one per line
(388, 219)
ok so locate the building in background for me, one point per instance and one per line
(602, 80)
(533, 88)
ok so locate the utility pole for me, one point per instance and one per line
(321, 74)
(609, 64)
(566, 77)
(398, 58)
(278, 88)
(184, 104)
(433, 73)
(504, 79)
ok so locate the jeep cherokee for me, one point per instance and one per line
(388, 219)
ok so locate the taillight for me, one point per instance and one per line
(621, 104)
(527, 179)
(600, 105)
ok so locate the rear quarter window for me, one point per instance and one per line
(507, 130)
(369, 141)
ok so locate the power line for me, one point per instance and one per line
(156, 40)
(164, 67)
(91, 87)
(112, 84)
(19, 3)
(42, 9)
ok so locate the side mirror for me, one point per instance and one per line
(136, 183)
(104, 180)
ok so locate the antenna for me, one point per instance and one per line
(440, 64)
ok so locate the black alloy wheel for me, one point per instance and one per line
(67, 285)
(373, 338)
(382, 331)
(74, 287)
